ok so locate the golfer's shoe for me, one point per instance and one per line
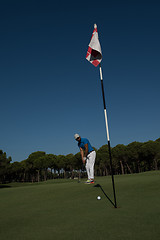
(91, 181)
(88, 181)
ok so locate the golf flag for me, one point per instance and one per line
(94, 53)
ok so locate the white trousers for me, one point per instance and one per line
(90, 161)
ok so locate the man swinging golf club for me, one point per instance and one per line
(88, 156)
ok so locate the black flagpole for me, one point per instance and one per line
(109, 148)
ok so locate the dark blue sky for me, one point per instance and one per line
(49, 91)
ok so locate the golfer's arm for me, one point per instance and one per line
(86, 150)
(82, 154)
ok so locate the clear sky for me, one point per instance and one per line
(49, 91)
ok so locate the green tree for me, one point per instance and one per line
(52, 160)
(150, 152)
(4, 166)
(157, 140)
(16, 171)
(134, 156)
(102, 164)
(34, 165)
(71, 164)
(44, 162)
(120, 156)
(24, 170)
(63, 165)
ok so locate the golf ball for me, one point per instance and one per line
(98, 198)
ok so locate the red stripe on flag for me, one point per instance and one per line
(87, 54)
(89, 50)
(95, 63)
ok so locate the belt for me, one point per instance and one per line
(90, 152)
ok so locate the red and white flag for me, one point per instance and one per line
(94, 53)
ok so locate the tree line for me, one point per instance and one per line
(135, 157)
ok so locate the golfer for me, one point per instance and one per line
(88, 156)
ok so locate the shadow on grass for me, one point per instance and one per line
(98, 185)
(5, 186)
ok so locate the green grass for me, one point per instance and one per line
(65, 209)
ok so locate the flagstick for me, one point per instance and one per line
(109, 148)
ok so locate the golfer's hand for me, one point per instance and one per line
(84, 160)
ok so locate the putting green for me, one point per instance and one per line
(66, 209)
